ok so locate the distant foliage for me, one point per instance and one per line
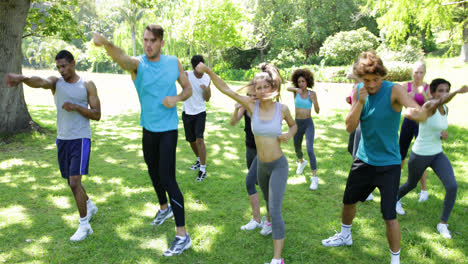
(288, 58)
(398, 71)
(410, 52)
(344, 47)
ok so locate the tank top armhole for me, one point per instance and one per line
(409, 87)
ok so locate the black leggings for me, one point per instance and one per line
(159, 150)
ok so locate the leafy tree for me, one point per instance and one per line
(19, 19)
(403, 18)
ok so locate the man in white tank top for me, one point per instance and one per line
(72, 96)
(194, 115)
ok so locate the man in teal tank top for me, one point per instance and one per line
(378, 109)
(154, 76)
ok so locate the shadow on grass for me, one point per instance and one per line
(38, 205)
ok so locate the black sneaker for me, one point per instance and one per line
(195, 166)
(201, 175)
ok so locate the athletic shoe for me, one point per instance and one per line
(301, 166)
(162, 216)
(252, 225)
(314, 183)
(195, 166)
(443, 230)
(201, 176)
(396, 261)
(178, 246)
(82, 232)
(276, 262)
(423, 196)
(399, 209)
(370, 197)
(338, 240)
(91, 210)
(266, 228)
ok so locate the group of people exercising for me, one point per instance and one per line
(378, 149)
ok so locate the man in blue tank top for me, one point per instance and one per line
(154, 76)
(72, 96)
(378, 108)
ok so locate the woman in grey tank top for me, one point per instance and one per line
(272, 166)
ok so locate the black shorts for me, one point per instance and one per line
(73, 156)
(364, 178)
(194, 126)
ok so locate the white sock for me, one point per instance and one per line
(165, 210)
(203, 168)
(84, 220)
(422, 191)
(395, 256)
(89, 203)
(345, 230)
(182, 237)
(198, 159)
(276, 261)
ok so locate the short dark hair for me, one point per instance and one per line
(65, 54)
(197, 59)
(436, 82)
(157, 30)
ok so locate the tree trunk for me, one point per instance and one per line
(133, 41)
(464, 51)
(14, 115)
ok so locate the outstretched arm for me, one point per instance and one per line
(224, 88)
(35, 82)
(291, 123)
(125, 62)
(94, 112)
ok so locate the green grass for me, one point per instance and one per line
(38, 213)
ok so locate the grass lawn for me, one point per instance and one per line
(38, 213)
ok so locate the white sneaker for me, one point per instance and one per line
(314, 183)
(399, 209)
(273, 261)
(251, 225)
(91, 210)
(423, 196)
(301, 166)
(82, 232)
(338, 240)
(443, 230)
(370, 197)
(266, 228)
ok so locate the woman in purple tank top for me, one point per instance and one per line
(417, 89)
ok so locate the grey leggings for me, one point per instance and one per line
(251, 178)
(443, 169)
(305, 126)
(272, 178)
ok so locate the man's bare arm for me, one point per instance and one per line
(94, 112)
(125, 62)
(32, 81)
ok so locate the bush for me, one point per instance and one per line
(344, 47)
(398, 71)
(410, 52)
(288, 58)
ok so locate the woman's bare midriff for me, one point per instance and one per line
(303, 113)
(268, 148)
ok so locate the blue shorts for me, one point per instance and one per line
(73, 156)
